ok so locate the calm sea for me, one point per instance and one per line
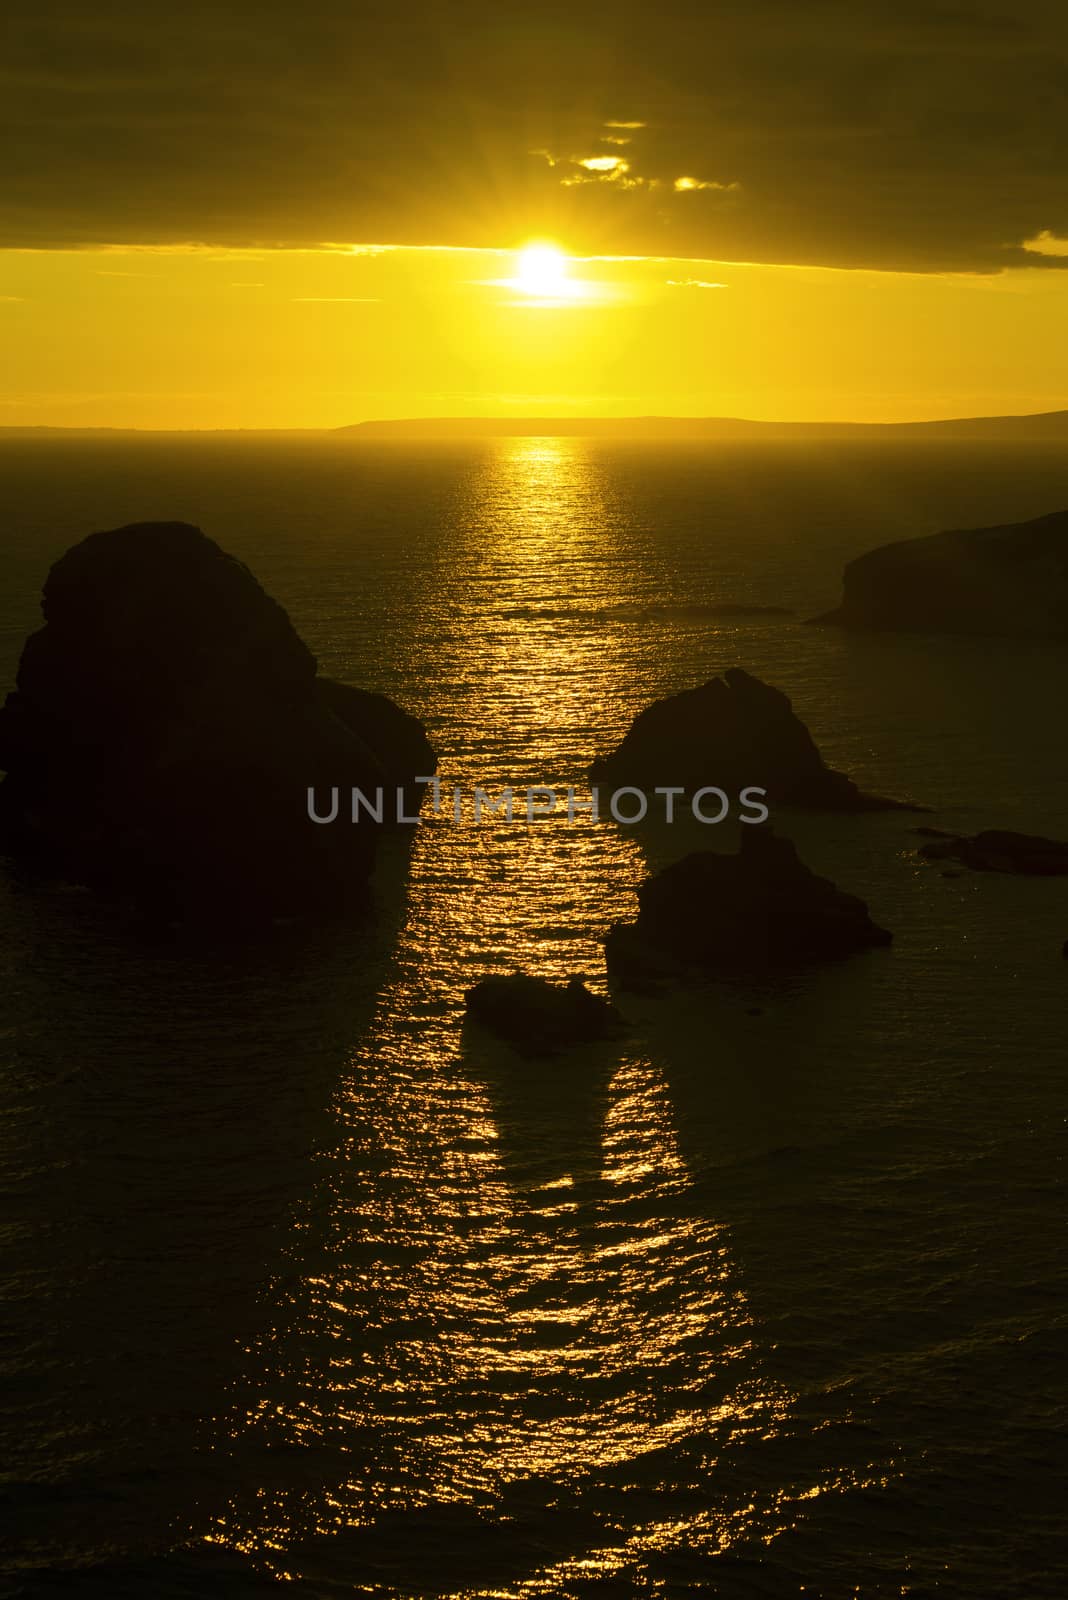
(302, 1282)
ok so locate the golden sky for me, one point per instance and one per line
(836, 209)
(216, 338)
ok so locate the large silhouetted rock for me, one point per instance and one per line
(1009, 579)
(538, 1017)
(752, 912)
(733, 732)
(165, 729)
(999, 850)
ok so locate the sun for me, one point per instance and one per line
(541, 271)
(541, 277)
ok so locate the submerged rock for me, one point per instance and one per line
(538, 1017)
(1009, 579)
(733, 732)
(998, 850)
(752, 912)
(166, 726)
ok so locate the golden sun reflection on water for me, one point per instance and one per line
(505, 1292)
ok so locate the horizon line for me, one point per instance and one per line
(568, 423)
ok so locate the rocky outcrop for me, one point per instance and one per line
(537, 1017)
(998, 850)
(753, 912)
(1009, 579)
(733, 732)
(166, 726)
(395, 738)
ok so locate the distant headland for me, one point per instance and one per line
(1042, 425)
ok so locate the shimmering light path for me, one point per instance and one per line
(303, 1275)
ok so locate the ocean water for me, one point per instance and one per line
(303, 1282)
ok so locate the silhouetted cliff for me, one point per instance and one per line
(166, 726)
(1009, 579)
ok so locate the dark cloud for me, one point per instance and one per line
(901, 135)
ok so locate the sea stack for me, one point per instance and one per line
(737, 915)
(538, 1017)
(1010, 579)
(734, 732)
(167, 724)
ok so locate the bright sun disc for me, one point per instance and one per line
(541, 270)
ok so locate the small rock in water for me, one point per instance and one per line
(998, 850)
(538, 1017)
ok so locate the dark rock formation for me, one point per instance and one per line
(1010, 579)
(733, 732)
(998, 850)
(752, 912)
(395, 738)
(167, 725)
(537, 1017)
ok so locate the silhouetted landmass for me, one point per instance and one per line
(1009, 579)
(166, 726)
(537, 1017)
(1048, 425)
(752, 912)
(1039, 425)
(998, 850)
(733, 732)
